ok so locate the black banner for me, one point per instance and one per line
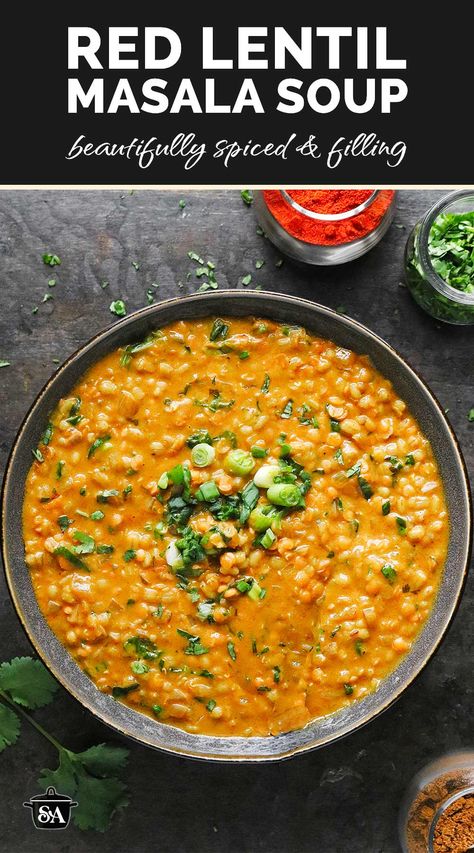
(341, 100)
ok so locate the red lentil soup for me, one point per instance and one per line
(234, 526)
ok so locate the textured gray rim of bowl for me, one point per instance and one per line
(327, 324)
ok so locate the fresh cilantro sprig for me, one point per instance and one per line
(91, 776)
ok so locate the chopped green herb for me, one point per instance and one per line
(200, 437)
(52, 282)
(211, 705)
(249, 497)
(259, 264)
(354, 471)
(246, 197)
(258, 452)
(118, 308)
(181, 204)
(141, 647)
(51, 260)
(47, 435)
(47, 297)
(410, 459)
(470, 416)
(359, 648)
(103, 497)
(4, 363)
(244, 354)
(132, 349)
(365, 487)
(348, 689)
(451, 249)
(219, 330)
(401, 525)
(157, 710)
(105, 549)
(59, 469)
(139, 668)
(97, 515)
(64, 522)
(287, 411)
(389, 573)
(129, 555)
(246, 279)
(72, 558)
(86, 543)
(385, 507)
(231, 650)
(135, 265)
(122, 691)
(38, 455)
(266, 385)
(98, 442)
(276, 674)
(194, 646)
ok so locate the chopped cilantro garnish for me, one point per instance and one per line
(98, 442)
(389, 573)
(129, 555)
(51, 260)
(118, 308)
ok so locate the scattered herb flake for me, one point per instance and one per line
(118, 308)
(51, 260)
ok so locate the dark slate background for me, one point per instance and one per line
(341, 799)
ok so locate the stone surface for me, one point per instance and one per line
(344, 798)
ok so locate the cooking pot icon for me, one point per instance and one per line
(50, 810)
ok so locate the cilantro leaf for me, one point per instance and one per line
(27, 682)
(103, 759)
(63, 778)
(9, 727)
(98, 800)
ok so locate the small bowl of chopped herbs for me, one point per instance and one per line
(439, 259)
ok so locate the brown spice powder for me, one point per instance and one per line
(454, 831)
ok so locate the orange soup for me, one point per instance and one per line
(234, 526)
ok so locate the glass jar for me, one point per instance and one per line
(378, 209)
(443, 786)
(428, 289)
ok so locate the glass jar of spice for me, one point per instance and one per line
(437, 813)
(439, 259)
(324, 227)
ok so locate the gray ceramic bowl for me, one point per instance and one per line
(423, 406)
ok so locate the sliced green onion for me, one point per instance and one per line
(258, 452)
(203, 454)
(163, 481)
(255, 592)
(284, 494)
(208, 491)
(239, 462)
(265, 476)
(268, 538)
(265, 516)
(173, 556)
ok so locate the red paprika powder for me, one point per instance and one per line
(323, 232)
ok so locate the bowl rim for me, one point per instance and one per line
(216, 302)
